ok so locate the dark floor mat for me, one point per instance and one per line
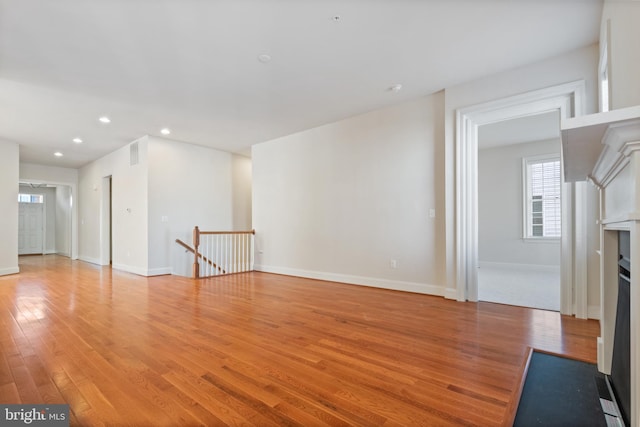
(559, 392)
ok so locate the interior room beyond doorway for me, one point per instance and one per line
(519, 211)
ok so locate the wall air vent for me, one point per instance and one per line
(133, 154)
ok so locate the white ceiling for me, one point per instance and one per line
(538, 127)
(192, 65)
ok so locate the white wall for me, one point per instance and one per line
(49, 194)
(129, 209)
(9, 173)
(189, 185)
(621, 31)
(63, 220)
(500, 207)
(175, 187)
(241, 192)
(341, 201)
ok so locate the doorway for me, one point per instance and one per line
(568, 100)
(106, 226)
(519, 211)
(56, 224)
(30, 226)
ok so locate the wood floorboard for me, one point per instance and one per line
(263, 349)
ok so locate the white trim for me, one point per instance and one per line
(9, 270)
(90, 260)
(450, 293)
(130, 269)
(593, 312)
(420, 288)
(162, 271)
(568, 99)
(50, 252)
(580, 250)
(142, 271)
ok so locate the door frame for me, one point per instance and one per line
(569, 100)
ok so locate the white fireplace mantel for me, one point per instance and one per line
(604, 148)
(595, 146)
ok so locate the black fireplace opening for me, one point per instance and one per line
(620, 378)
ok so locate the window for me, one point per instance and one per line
(542, 197)
(30, 198)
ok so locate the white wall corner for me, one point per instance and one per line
(593, 312)
(131, 269)
(159, 271)
(89, 260)
(9, 270)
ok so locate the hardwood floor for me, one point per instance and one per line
(262, 349)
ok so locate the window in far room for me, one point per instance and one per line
(542, 204)
(30, 198)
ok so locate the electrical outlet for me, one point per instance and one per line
(432, 213)
(393, 263)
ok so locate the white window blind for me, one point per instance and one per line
(543, 205)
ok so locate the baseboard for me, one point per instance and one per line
(420, 288)
(89, 260)
(50, 252)
(158, 271)
(9, 270)
(130, 269)
(593, 312)
(514, 266)
(450, 293)
(142, 271)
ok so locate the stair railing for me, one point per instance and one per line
(222, 252)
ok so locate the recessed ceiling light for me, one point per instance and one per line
(165, 131)
(264, 58)
(336, 18)
(105, 119)
(58, 154)
(396, 88)
(77, 140)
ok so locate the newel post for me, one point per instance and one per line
(196, 243)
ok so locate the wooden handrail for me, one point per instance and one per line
(204, 258)
(228, 232)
